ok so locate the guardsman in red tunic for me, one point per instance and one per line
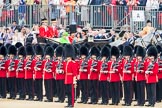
(103, 75)
(114, 75)
(140, 75)
(159, 84)
(43, 29)
(54, 28)
(83, 74)
(29, 70)
(127, 74)
(38, 72)
(70, 74)
(3, 70)
(20, 73)
(11, 71)
(93, 72)
(48, 73)
(151, 75)
(60, 74)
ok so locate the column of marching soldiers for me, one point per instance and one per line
(107, 72)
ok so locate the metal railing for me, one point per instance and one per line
(97, 16)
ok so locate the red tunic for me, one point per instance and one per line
(38, 74)
(3, 70)
(59, 70)
(48, 74)
(20, 73)
(103, 73)
(13, 72)
(82, 70)
(160, 69)
(29, 72)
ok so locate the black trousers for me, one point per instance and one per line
(21, 87)
(84, 90)
(128, 92)
(3, 87)
(39, 88)
(29, 88)
(141, 92)
(151, 91)
(60, 89)
(94, 90)
(70, 93)
(121, 90)
(49, 89)
(115, 92)
(54, 87)
(159, 90)
(12, 86)
(104, 91)
(134, 90)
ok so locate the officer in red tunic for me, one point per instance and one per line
(70, 74)
(127, 74)
(140, 75)
(11, 71)
(38, 72)
(43, 29)
(103, 75)
(29, 70)
(114, 75)
(54, 28)
(93, 72)
(48, 73)
(20, 72)
(3, 69)
(60, 74)
(151, 75)
(83, 74)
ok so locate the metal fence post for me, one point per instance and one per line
(112, 17)
(91, 16)
(31, 14)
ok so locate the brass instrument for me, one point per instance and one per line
(59, 68)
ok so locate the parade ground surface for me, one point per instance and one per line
(7, 103)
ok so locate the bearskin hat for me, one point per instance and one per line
(127, 51)
(12, 50)
(159, 48)
(59, 51)
(69, 51)
(84, 50)
(148, 21)
(3, 51)
(140, 51)
(76, 51)
(148, 46)
(87, 45)
(115, 51)
(29, 50)
(39, 50)
(47, 45)
(18, 44)
(108, 45)
(22, 51)
(94, 51)
(49, 51)
(121, 47)
(152, 51)
(135, 49)
(54, 45)
(1, 44)
(131, 46)
(7, 45)
(105, 52)
(77, 45)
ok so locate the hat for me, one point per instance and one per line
(152, 51)
(29, 50)
(44, 20)
(39, 50)
(127, 51)
(76, 51)
(94, 51)
(148, 21)
(59, 51)
(84, 50)
(54, 46)
(18, 44)
(53, 20)
(12, 50)
(105, 52)
(7, 45)
(3, 51)
(135, 49)
(49, 51)
(47, 45)
(69, 51)
(73, 28)
(140, 51)
(159, 48)
(115, 51)
(22, 51)
(121, 47)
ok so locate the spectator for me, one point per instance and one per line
(16, 37)
(84, 11)
(160, 5)
(106, 2)
(22, 12)
(1, 35)
(7, 36)
(30, 37)
(1, 7)
(14, 26)
(141, 2)
(55, 8)
(44, 9)
(29, 2)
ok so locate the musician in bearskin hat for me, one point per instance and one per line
(38, 72)
(140, 75)
(103, 75)
(29, 70)
(60, 74)
(83, 74)
(70, 73)
(11, 71)
(114, 75)
(93, 72)
(127, 74)
(151, 75)
(3, 69)
(20, 72)
(48, 73)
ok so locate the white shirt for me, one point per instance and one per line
(152, 4)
